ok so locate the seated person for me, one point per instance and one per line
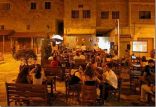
(99, 72)
(37, 75)
(54, 62)
(22, 64)
(77, 56)
(148, 80)
(32, 63)
(110, 81)
(82, 56)
(93, 64)
(143, 61)
(89, 77)
(83, 47)
(75, 78)
(23, 75)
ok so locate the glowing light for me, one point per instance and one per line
(57, 37)
(58, 43)
(104, 43)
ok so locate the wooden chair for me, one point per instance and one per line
(55, 72)
(72, 90)
(134, 79)
(26, 94)
(89, 95)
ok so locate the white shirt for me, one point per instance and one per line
(82, 57)
(83, 48)
(76, 57)
(111, 78)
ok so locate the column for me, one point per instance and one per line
(3, 43)
(32, 43)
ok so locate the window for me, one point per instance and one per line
(28, 27)
(144, 14)
(115, 15)
(75, 14)
(80, 6)
(4, 6)
(2, 27)
(104, 14)
(33, 5)
(47, 5)
(86, 14)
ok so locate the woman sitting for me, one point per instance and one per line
(75, 76)
(37, 75)
(89, 77)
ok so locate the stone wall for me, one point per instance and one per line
(19, 17)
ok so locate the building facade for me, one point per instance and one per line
(30, 19)
(136, 22)
(82, 21)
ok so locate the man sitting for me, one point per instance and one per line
(110, 81)
(148, 80)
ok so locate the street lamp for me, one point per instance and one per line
(118, 34)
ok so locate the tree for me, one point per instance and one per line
(26, 54)
(45, 51)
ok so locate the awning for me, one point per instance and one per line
(29, 34)
(103, 32)
(6, 32)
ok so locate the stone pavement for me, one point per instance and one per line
(9, 71)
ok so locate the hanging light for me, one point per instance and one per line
(57, 37)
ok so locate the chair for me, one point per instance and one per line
(26, 94)
(54, 72)
(134, 79)
(89, 95)
(72, 90)
(51, 83)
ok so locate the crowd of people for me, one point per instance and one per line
(98, 70)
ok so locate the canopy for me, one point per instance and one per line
(6, 32)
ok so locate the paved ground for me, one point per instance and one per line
(9, 71)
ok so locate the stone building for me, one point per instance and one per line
(80, 21)
(136, 22)
(31, 20)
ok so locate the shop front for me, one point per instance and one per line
(27, 40)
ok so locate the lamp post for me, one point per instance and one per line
(118, 34)
(3, 43)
